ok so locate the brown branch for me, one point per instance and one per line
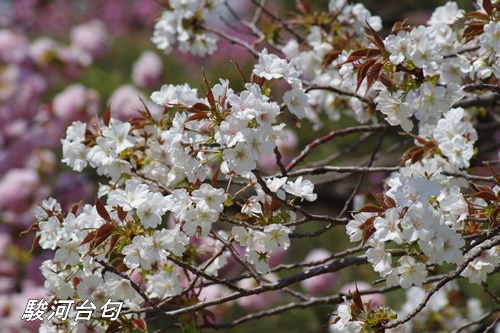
(279, 285)
(233, 40)
(452, 275)
(294, 208)
(330, 136)
(340, 92)
(489, 99)
(299, 38)
(481, 86)
(134, 285)
(342, 169)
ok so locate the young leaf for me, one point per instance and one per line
(363, 70)
(495, 174)
(121, 213)
(139, 324)
(373, 74)
(303, 6)
(209, 93)
(75, 207)
(101, 210)
(198, 107)
(112, 243)
(376, 38)
(107, 115)
(488, 7)
(197, 116)
(102, 234)
(370, 208)
(90, 237)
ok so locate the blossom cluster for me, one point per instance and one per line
(158, 165)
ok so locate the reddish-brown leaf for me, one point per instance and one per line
(209, 93)
(139, 324)
(477, 15)
(112, 243)
(376, 38)
(373, 74)
(107, 115)
(368, 228)
(114, 326)
(75, 207)
(356, 298)
(198, 107)
(386, 81)
(101, 210)
(102, 234)
(33, 228)
(215, 177)
(488, 7)
(400, 26)
(303, 6)
(370, 208)
(473, 30)
(197, 116)
(121, 213)
(390, 202)
(417, 155)
(35, 243)
(90, 237)
(495, 174)
(362, 72)
(488, 192)
(330, 57)
(363, 53)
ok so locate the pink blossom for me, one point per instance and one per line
(75, 103)
(254, 303)
(17, 188)
(92, 37)
(13, 46)
(147, 70)
(125, 101)
(319, 284)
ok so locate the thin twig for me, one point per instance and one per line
(477, 321)
(340, 92)
(362, 176)
(330, 136)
